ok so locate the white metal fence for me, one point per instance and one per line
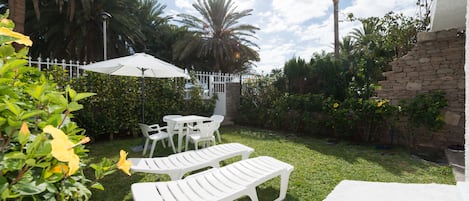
(72, 67)
(210, 82)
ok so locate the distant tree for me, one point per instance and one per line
(218, 39)
(18, 10)
(297, 71)
(154, 27)
(55, 36)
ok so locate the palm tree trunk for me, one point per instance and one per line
(17, 13)
(336, 28)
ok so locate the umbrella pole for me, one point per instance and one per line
(143, 95)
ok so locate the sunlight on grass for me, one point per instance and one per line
(319, 167)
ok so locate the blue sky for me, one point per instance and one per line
(292, 28)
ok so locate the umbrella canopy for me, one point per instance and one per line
(137, 65)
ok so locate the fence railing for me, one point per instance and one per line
(209, 82)
(72, 67)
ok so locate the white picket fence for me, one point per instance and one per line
(210, 82)
(72, 67)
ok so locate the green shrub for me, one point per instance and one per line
(360, 119)
(117, 107)
(42, 153)
(425, 110)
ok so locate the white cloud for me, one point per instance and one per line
(184, 4)
(300, 27)
(299, 11)
(273, 55)
(244, 4)
(369, 8)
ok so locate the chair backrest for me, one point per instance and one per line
(146, 129)
(217, 118)
(207, 129)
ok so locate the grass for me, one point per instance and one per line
(319, 166)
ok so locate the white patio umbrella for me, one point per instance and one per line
(137, 65)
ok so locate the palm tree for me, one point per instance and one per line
(217, 37)
(347, 49)
(336, 28)
(81, 38)
(18, 10)
(156, 29)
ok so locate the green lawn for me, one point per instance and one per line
(319, 167)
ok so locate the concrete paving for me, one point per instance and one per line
(456, 161)
(349, 190)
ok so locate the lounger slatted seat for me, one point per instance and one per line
(176, 165)
(226, 183)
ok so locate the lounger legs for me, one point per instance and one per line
(145, 147)
(218, 135)
(252, 193)
(153, 145)
(283, 185)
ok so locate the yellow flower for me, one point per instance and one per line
(23, 135)
(381, 103)
(335, 105)
(62, 149)
(124, 164)
(20, 38)
(24, 130)
(59, 168)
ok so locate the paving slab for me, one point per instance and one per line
(350, 190)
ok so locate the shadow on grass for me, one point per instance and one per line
(396, 160)
(269, 193)
(319, 167)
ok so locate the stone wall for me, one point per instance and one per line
(435, 63)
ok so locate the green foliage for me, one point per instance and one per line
(41, 146)
(425, 110)
(360, 119)
(117, 107)
(263, 105)
(322, 75)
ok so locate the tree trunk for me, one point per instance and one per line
(336, 28)
(17, 13)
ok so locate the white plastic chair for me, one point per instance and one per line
(169, 123)
(219, 119)
(154, 133)
(201, 133)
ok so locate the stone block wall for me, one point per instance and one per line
(435, 63)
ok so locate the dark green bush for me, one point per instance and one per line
(360, 119)
(425, 110)
(116, 109)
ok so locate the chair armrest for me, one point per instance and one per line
(164, 128)
(155, 127)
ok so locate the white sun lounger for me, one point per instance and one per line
(176, 165)
(226, 183)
